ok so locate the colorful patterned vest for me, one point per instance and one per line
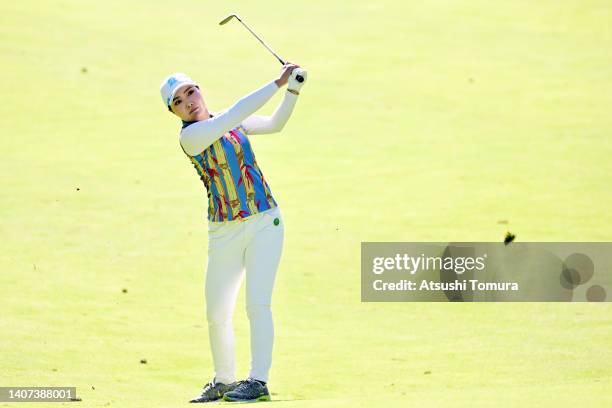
(235, 184)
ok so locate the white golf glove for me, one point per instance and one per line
(293, 83)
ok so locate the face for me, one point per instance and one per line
(188, 104)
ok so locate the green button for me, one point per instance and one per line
(276, 221)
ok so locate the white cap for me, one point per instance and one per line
(171, 84)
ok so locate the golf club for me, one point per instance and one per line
(282, 61)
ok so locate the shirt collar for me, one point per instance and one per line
(187, 123)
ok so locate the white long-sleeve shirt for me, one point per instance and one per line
(197, 136)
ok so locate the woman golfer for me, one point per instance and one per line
(245, 225)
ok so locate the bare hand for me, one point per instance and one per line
(285, 73)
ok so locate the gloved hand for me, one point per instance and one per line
(293, 83)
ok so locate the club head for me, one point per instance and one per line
(228, 18)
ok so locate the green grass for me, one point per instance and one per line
(427, 121)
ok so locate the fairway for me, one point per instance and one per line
(431, 121)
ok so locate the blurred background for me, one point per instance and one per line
(442, 121)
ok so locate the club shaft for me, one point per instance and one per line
(261, 41)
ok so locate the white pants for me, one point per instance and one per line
(253, 246)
